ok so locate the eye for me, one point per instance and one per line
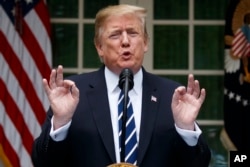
(133, 33)
(115, 35)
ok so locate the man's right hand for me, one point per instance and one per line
(63, 96)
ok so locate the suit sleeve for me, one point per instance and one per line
(47, 152)
(195, 156)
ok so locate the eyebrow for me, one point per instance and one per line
(126, 29)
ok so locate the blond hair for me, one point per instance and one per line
(122, 9)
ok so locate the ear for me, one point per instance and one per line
(146, 41)
(99, 49)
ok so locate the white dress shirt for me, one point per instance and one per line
(135, 94)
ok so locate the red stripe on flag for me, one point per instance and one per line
(35, 50)
(239, 44)
(23, 79)
(16, 117)
(42, 11)
(8, 149)
(239, 38)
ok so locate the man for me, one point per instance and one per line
(81, 128)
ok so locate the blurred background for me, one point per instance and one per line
(186, 36)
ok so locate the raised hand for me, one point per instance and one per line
(63, 96)
(186, 103)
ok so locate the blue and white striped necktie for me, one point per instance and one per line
(131, 145)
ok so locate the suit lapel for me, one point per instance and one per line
(150, 100)
(98, 100)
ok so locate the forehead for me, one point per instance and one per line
(122, 21)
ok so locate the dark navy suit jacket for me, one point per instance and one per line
(90, 143)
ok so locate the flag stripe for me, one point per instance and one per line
(24, 81)
(17, 93)
(16, 116)
(34, 48)
(240, 44)
(14, 140)
(44, 17)
(39, 32)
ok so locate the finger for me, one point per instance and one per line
(190, 85)
(202, 96)
(52, 80)
(68, 84)
(59, 76)
(46, 87)
(177, 96)
(196, 92)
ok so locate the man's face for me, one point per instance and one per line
(122, 43)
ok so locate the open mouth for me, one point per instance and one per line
(126, 53)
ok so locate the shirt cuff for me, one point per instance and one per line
(189, 136)
(60, 133)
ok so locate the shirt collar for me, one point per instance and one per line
(112, 81)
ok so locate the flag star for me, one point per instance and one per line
(29, 1)
(238, 98)
(245, 102)
(231, 95)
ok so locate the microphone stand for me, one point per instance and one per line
(126, 83)
(124, 118)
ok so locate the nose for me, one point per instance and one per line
(125, 39)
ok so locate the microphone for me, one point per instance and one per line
(126, 83)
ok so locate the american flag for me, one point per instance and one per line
(153, 98)
(25, 58)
